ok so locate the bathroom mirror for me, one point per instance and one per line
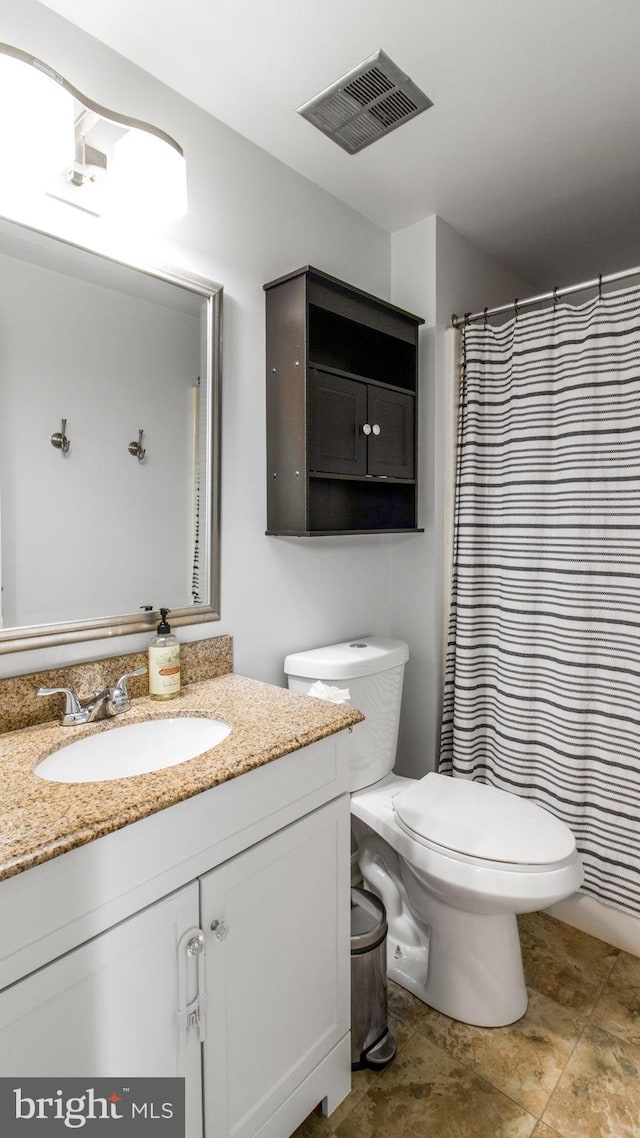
(109, 443)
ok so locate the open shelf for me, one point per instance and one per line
(338, 532)
(381, 480)
(314, 364)
(361, 506)
(355, 349)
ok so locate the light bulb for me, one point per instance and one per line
(36, 125)
(146, 179)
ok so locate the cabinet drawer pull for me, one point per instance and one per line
(366, 430)
(376, 429)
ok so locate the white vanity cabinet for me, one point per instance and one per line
(253, 877)
(276, 972)
(109, 1006)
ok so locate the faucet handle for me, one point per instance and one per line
(72, 703)
(118, 694)
(72, 706)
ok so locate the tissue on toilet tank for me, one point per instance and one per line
(329, 692)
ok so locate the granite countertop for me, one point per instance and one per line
(40, 820)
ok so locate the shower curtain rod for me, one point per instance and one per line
(556, 294)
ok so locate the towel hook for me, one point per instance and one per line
(59, 438)
(136, 448)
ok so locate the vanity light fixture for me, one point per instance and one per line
(66, 145)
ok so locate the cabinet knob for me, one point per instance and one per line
(366, 430)
(219, 929)
(195, 945)
(376, 429)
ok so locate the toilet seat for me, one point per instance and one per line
(480, 884)
(475, 823)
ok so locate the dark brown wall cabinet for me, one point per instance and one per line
(342, 370)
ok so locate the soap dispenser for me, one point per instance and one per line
(164, 661)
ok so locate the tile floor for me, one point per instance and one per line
(570, 1068)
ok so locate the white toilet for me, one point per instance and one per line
(452, 860)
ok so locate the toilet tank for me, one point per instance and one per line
(372, 668)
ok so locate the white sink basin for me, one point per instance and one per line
(134, 748)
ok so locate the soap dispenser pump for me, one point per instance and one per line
(164, 661)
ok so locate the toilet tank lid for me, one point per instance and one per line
(481, 821)
(359, 657)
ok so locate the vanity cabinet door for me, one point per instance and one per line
(276, 923)
(110, 1007)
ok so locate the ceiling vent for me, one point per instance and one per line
(366, 104)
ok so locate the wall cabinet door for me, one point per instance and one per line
(337, 412)
(277, 968)
(392, 440)
(110, 1007)
(358, 428)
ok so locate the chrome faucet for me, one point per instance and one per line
(102, 705)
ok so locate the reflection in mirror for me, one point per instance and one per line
(109, 443)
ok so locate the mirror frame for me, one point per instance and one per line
(29, 637)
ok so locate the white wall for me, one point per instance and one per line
(250, 219)
(436, 272)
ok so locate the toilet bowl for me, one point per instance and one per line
(453, 860)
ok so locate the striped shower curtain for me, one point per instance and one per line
(542, 693)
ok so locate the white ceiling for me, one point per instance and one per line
(531, 149)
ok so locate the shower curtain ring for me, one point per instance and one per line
(466, 317)
(599, 286)
(486, 314)
(556, 298)
(515, 308)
